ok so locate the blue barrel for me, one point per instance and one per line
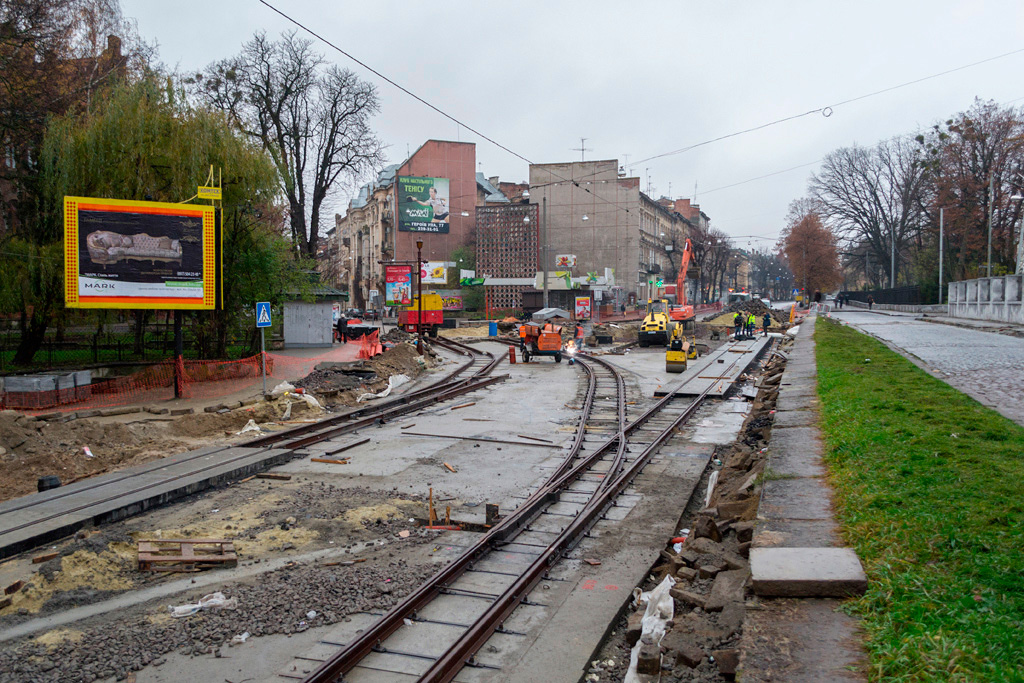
(492, 328)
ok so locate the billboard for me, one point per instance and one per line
(434, 273)
(423, 204)
(583, 308)
(451, 299)
(397, 285)
(131, 254)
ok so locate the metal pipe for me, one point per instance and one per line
(419, 295)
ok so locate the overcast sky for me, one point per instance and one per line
(643, 78)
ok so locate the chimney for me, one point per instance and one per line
(114, 45)
(493, 180)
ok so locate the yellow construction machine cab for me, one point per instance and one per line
(657, 327)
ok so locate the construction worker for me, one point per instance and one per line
(578, 336)
(737, 321)
(767, 322)
(751, 325)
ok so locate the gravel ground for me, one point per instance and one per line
(277, 603)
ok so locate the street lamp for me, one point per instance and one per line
(419, 294)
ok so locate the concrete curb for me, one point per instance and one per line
(797, 549)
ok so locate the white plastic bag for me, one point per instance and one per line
(394, 381)
(660, 610)
(212, 601)
(250, 426)
(282, 388)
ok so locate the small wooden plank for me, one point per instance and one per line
(330, 461)
(407, 426)
(5, 601)
(39, 559)
(274, 475)
(534, 438)
(14, 587)
(450, 468)
(464, 405)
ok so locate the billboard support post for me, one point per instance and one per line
(179, 362)
(419, 294)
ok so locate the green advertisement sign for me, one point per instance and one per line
(423, 204)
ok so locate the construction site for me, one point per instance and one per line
(403, 517)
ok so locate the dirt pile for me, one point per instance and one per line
(31, 448)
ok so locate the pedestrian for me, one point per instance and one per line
(871, 302)
(737, 321)
(838, 301)
(767, 322)
(343, 329)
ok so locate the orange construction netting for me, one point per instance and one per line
(197, 379)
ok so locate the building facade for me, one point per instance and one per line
(602, 219)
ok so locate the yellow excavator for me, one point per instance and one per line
(679, 350)
(658, 326)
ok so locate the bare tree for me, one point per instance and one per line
(976, 166)
(711, 250)
(874, 196)
(313, 119)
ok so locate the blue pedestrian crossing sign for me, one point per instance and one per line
(263, 314)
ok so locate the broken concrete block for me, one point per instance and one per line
(687, 597)
(649, 660)
(634, 627)
(710, 568)
(807, 572)
(728, 587)
(744, 531)
(705, 527)
(730, 619)
(703, 546)
(728, 661)
(682, 648)
(686, 574)
(689, 557)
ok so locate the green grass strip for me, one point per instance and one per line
(930, 492)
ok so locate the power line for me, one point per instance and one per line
(826, 110)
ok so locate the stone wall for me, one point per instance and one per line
(988, 298)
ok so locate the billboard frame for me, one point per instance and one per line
(210, 254)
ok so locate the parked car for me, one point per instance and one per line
(371, 314)
(352, 313)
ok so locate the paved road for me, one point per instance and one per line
(987, 366)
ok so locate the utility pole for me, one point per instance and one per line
(991, 213)
(419, 295)
(892, 264)
(941, 216)
(544, 248)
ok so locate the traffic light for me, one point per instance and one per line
(660, 282)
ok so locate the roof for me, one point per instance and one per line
(384, 179)
(493, 193)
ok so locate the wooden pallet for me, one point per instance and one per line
(185, 554)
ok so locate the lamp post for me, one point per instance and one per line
(991, 212)
(419, 295)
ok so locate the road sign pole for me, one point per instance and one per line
(263, 357)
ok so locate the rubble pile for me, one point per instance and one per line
(709, 565)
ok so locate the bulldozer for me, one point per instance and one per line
(679, 350)
(658, 325)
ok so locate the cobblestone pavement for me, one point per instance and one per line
(986, 366)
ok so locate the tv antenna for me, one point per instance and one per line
(582, 149)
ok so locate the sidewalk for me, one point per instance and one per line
(797, 549)
(1010, 329)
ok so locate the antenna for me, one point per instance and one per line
(694, 191)
(581, 149)
(670, 189)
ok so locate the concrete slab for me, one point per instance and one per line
(795, 418)
(796, 533)
(803, 498)
(717, 371)
(797, 402)
(807, 572)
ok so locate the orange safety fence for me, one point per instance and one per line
(370, 346)
(199, 379)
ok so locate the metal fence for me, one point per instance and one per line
(910, 295)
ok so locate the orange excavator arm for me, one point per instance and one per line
(681, 278)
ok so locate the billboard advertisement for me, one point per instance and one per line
(583, 308)
(451, 299)
(131, 254)
(434, 273)
(397, 285)
(423, 204)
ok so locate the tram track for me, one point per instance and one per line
(616, 451)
